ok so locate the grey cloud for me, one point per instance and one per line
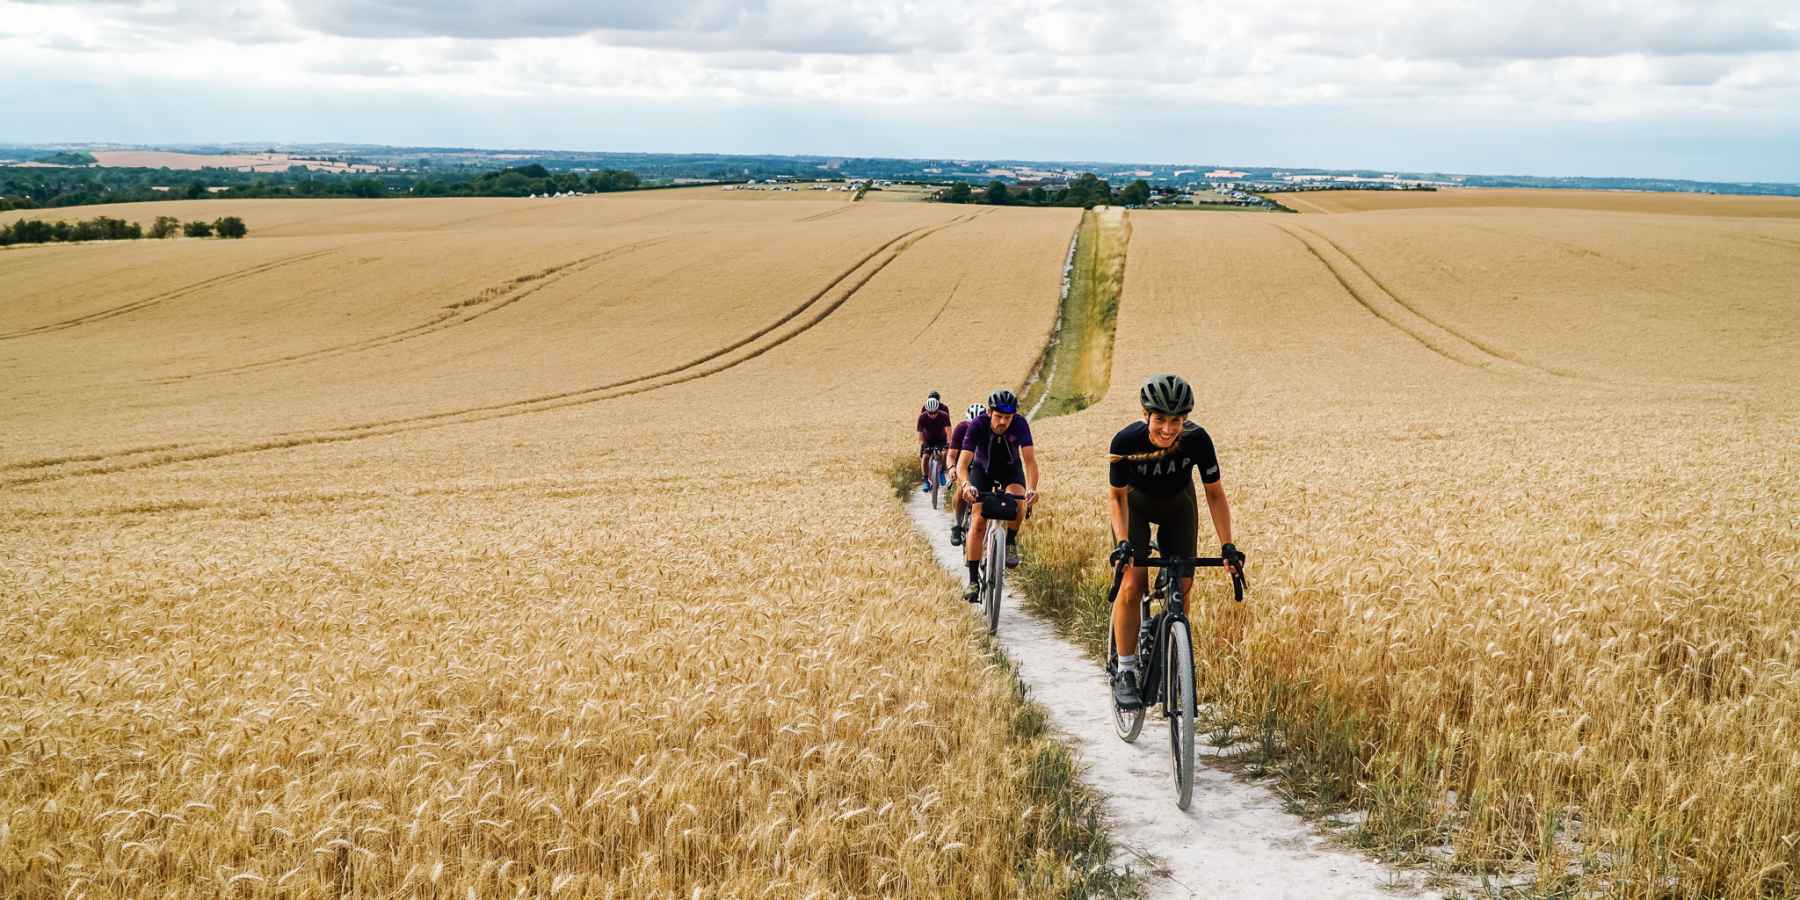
(522, 18)
(67, 44)
(707, 26)
(363, 66)
(1556, 29)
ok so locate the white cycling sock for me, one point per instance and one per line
(1128, 663)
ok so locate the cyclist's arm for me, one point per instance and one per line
(1029, 456)
(1220, 508)
(1115, 509)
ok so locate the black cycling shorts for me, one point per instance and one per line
(1177, 517)
(1003, 476)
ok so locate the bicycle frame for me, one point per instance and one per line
(1153, 631)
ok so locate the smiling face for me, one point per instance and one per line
(1164, 429)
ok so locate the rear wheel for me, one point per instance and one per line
(1180, 707)
(1128, 722)
(995, 581)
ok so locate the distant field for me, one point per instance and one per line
(1607, 201)
(257, 162)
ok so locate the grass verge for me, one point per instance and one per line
(1077, 365)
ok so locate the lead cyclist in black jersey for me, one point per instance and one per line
(1152, 482)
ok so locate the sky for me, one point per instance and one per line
(1653, 88)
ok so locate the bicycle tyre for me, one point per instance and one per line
(1180, 706)
(932, 472)
(995, 582)
(1127, 722)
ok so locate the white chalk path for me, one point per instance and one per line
(1234, 841)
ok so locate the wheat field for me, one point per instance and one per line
(486, 548)
(1648, 203)
(502, 547)
(1520, 491)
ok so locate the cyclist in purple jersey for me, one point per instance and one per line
(975, 411)
(934, 436)
(997, 453)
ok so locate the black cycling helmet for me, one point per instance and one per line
(1167, 394)
(1004, 401)
(933, 396)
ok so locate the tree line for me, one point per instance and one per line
(35, 188)
(106, 228)
(1087, 191)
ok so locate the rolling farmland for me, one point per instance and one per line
(536, 546)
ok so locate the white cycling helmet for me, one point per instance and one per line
(976, 411)
(932, 404)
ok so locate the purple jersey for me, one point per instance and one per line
(990, 448)
(933, 426)
(956, 436)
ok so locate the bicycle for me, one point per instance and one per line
(1167, 648)
(999, 508)
(934, 472)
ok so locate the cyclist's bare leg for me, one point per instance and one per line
(1017, 490)
(977, 534)
(1125, 618)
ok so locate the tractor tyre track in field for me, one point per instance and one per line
(1496, 352)
(488, 301)
(817, 217)
(1380, 303)
(940, 310)
(686, 372)
(157, 299)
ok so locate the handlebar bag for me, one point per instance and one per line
(1000, 506)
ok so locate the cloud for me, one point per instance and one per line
(364, 66)
(1059, 64)
(65, 43)
(521, 18)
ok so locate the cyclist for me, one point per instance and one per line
(975, 411)
(1151, 474)
(997, 453)
(934, 436)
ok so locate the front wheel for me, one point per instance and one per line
(936, 471)
(995, 581)
(1127, 722)
(1181, 708)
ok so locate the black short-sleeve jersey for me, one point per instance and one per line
(1169, 473)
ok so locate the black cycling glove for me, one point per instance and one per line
(1122, 553)
(1233, 555)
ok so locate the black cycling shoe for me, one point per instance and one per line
(956, 536)
(1012, 556)
(1125, 690)
(973, 594)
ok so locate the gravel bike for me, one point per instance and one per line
(999, 508)
(1166, 648)
(934, 472)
